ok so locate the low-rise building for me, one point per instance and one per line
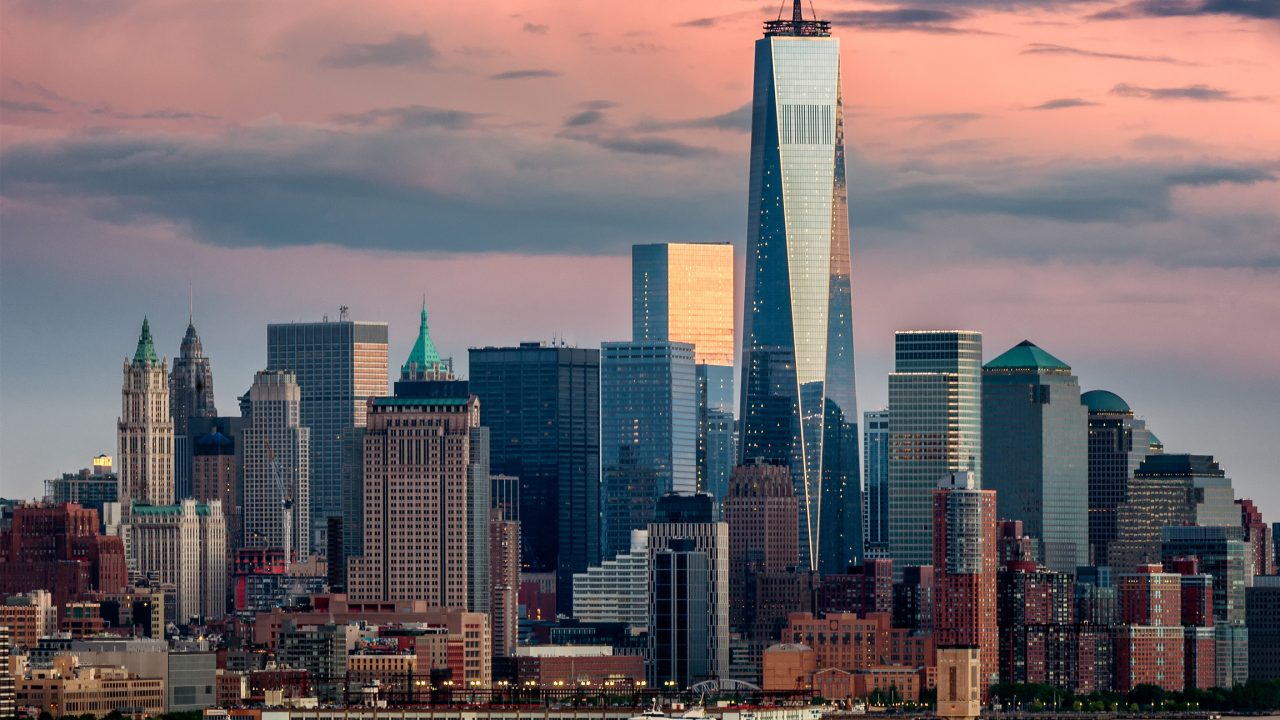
(72, 689)
(29, 617)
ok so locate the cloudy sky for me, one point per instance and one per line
(1102, 177)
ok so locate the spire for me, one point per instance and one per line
(797, 11)
(146, 352)
(424, 358)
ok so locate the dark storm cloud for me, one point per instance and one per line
(409, 51)
(703, 22)
(586, 117)
(644, 145)
(1050, 49)
(412, 116)
(524, 74)
(1249, 9)
(160, 114)
(1199, 93)
(915, 19)
(735, 120)
(1063, 103)
(20, 106)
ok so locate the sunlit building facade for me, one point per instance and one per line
(798, 399)
(935, 428)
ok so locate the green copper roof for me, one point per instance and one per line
(1104, 401)
(146, 351)
(424, 355)
(1026, 355)
(1154, 442)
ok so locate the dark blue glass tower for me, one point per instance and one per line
(798, 400)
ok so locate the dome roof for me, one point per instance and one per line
(1104, 401)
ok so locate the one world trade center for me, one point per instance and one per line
(798, 399)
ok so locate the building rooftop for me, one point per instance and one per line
(423, 358)
(146, 352)
(1104, 401)
(1026, 355)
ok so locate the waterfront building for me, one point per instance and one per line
(964, 557)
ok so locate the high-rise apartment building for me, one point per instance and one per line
(1035, 447)
(935, 429)
(145, 428)
(1262, 616)
(277, 466)
(541, 404)
(504, 583)
(648, 433)
(761, 513)
(186, 545)
(693, 574)
(90, 488)
(1150, 642)
(1258, 534)
(875, 458)
(1118, 443)
(798, 399)
(190, 395)
(339, 366)
(964, 558)
(418, 477)
(683, 292)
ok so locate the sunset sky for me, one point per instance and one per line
(1102, 178)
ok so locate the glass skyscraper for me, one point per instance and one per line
(648, 419)
(683, 292)
(798, 400)
(339, 366)
(1035, 444)
(875, 458)
(935, 429)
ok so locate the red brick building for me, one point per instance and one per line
(849, 642)
(761, 511)
(1151, 644)
(965, 561)
(58, 548)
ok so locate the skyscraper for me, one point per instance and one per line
(339, 366)
(1118, 442)
(683, 292)
(761, 513)
(184, 544)
(190, 395)
(935, 429)
(1167, 491)
(276, 455)
(1035, 451)
(648, 433)
(964, 557)
(214, 476)
(418, 473)
(541, 404)
(145, 428)
(798, 399)
(875, 458)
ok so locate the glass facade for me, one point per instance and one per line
(1035, 451)
(875, 456)
(648, 422)
(1118, 443)
(339, 366)
(541, 404)
(935, 428)
(798, 401)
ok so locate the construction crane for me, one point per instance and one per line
(286, 503)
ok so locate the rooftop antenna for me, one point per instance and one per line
(191, 305)
(797, 10)
(342, 313)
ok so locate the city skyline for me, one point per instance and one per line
(1144, 254)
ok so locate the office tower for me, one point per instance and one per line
(504, 496)
(1258, 534)
(964, 558)
(1222, 554)
(339, 366)
(1035, 451)
(761, 513)
(617, 589)
(59, 548)
(798, 400)
(1262, 617)
(186, 545)
(680, 646)
(1149, 644)
(336, 557)
(690, 518)
(683, 292)
(479, 520)
(214, 472)
(1118, 443)
(190, 395)
(418, 475)
(277, 466)
(648, 433)
(935, 428)
(1170, 490)
(90, 488)
(145, 428)
(1097, 602)
(914, 599)
(541, 404)
(875, 456)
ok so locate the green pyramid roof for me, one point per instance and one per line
(424, 355)
(1026, 355)
(146, 351)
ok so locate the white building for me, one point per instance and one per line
(275, 441)
(617, 590)
(145, 428)
(186, 545)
